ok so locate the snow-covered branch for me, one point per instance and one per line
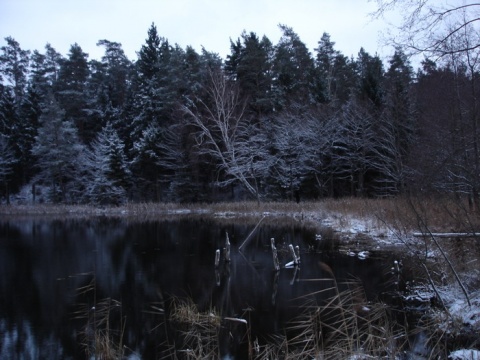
(224, 132)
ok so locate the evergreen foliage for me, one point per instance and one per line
(107, 175)
(270, 121)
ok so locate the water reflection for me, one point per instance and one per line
(144, 265)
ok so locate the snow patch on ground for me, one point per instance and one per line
(351, 225)
(462, 314)
(461, 318)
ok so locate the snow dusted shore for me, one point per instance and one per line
(459, 317)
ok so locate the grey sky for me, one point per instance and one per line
(210, 23)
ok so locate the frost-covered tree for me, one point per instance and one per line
(389, 157)
(45, 68)
(71, 92)
(335, 76)
(293, 70)
(325, 68)
(107, 174)
(154, 84)
(28, 124)
(8, 111)
(429, 26)
(352, 149)
(57, 149)
(369, 79)
(180, 165)
(118, 72)
(146, 156)
(158, 87)
(11, 129)
(396, 126)
(14, 66)
(222, 133)
(7, 161)
(108, 87)
(299, 146)
(249, 64)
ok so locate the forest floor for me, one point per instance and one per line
(370, 224)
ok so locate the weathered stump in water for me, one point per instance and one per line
(294, 256)
(276, 263)
(217, 258)
(227, 248)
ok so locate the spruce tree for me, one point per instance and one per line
(107, 177)
(57, 149)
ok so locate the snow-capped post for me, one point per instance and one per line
(227, 248)
(276, 263)
(217, 258)
(294, 255)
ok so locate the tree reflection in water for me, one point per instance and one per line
(145, 267)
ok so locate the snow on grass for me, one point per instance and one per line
(465, 354)
(462, 314)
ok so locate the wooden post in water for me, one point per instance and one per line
(227, 248)
(276, 263)
(217, 258)
(294, 255)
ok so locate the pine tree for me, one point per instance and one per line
(370, 79)
(14, 66)
(71, 91)
(325, 68)
(293, 70)
(398, 123)
(117, 69)
(45, 70)
(250, 66)
(334, 73)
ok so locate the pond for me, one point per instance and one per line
(151, 288)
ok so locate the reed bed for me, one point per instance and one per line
(439, 213)
(345, 327)
(103, 328)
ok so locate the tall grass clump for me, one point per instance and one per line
(100, 337)
(344, 327)
(198, 332)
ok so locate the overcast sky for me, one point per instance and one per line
(208, 23)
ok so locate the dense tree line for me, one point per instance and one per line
(271, 121)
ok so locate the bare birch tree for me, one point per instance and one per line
(428, 26)
(224, 133)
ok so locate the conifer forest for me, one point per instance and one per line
(271, 121)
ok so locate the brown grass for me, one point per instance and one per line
(98, 337)
(342, 328)
(402, 213)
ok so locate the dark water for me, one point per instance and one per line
(44, 265)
